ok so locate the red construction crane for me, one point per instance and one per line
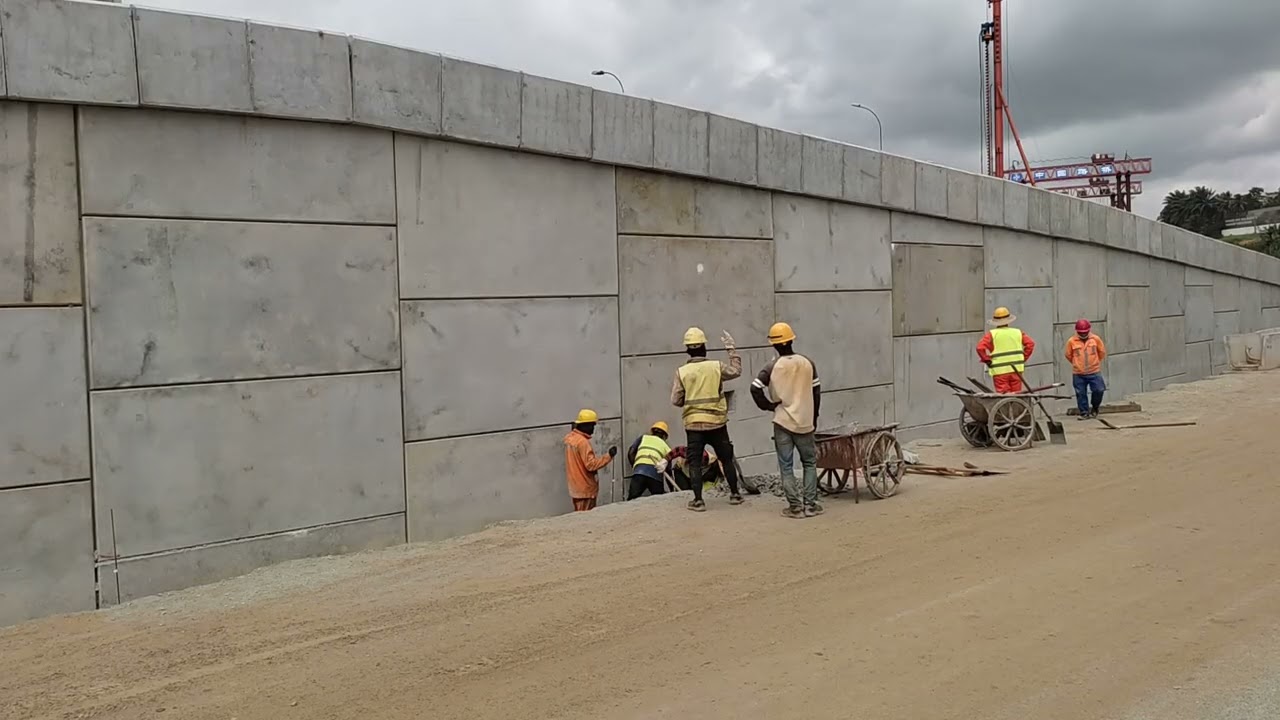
(995, 107)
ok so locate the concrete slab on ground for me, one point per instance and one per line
(1017, 259)
(39, 205)
(191, 61)
(488, 222)
(937, 289)
(251, 168)
(480, 103)
(822, 245)
(46, 551)
(174, 301)
(247, 458)
(555, 117)
(74, 52)
(399, 88)
(656, 204)
(848, 335)
(299, 73)
(519, 355)
(44, 426)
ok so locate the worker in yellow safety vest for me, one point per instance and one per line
(699, 391)
(1005, 351)
(648, 458)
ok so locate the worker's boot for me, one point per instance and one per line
(794, 513)
(813, 510)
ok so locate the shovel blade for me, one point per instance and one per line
(1057, 434)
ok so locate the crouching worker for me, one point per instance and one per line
(648, 458)
(1005, 351)
(581, 463)
(679, 466)
(1086, 352)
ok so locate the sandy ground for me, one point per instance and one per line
(1127, 575)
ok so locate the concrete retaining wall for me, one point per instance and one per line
(269, 293)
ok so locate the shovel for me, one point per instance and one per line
(1057, 435)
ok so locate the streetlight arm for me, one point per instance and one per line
(615, 77)
(879, 125)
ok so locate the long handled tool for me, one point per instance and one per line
(1057, 434)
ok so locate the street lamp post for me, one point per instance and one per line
(615, 77)
(878, 124)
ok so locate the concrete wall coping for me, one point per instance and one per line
(98, 53)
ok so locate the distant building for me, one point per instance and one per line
(1254, 221)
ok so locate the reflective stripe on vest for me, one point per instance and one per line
(1006, 355)
(652, 450)
(703, 393)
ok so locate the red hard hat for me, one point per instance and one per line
(1083, 326)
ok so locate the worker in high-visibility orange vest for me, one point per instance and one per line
(1005, 351)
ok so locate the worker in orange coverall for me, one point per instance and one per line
(1005, 351)
(581, 463)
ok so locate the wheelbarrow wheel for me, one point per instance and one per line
(884, 465)
(832, 482)
(975, 432)
(1012, 423)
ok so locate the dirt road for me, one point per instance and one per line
(1096, 581)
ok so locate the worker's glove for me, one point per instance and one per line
(613, 451)
(727, 339)
(662, 466)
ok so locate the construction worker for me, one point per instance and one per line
(789, 388)
(699, 391)
(1086, 352)
(581, 463)
(648, 458)
(1005, 351)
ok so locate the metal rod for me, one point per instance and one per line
(115, 555)
(615, 77)
(879, 125)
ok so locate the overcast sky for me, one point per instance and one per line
(1193, 83)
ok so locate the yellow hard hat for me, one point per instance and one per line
(586, 416)
(694, 336)
(781, 333)
(1002, 316)
(660, 426)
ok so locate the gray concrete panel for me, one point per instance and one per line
(1039, 211)
(252, 168)
(1060, 207)
(1270, 296)
(1250, 306)
(4, 85)
(918, 361)
(395, 87)
(39, 207)
(46, 552)
(488, 222)
(155, 574)
(1224, 324)
(898, 182)
(69, 52)
(822, 167)
(175, 301)
(931, 190)
(825, 245)
(1033, 308)
(1080, 281)
(962, 196)
(668, 284)
(1079, 227)
(937, 289)
(733, 150)
(1168, 355)
(1017, 260)
(866, 406)
(1168, 288)
(247, 458)
(1128, 269)
(1199, 361)
(1126, 374)
(862, 183)
(621, 129)
(299, 73)
(656, 204)
(1149, 241)
(555, 117)
(646, 393)
(514, 350)
(848, 335)
(44, 426)
(1199, 277)
(1062, 367)
(190, 61)
(1226, 292)
(1128, 319)
(480, 103)
(1199, 313)
(1017, 205)
(1270, 318)
(1098, 229)
(681, 140)
(1167, 242)
(461, 485)
(909, 228)
(781, 161)
(1121, 232)
(990, 200)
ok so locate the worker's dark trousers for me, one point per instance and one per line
(1086, 385)
(640, 483)
(719, 441)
